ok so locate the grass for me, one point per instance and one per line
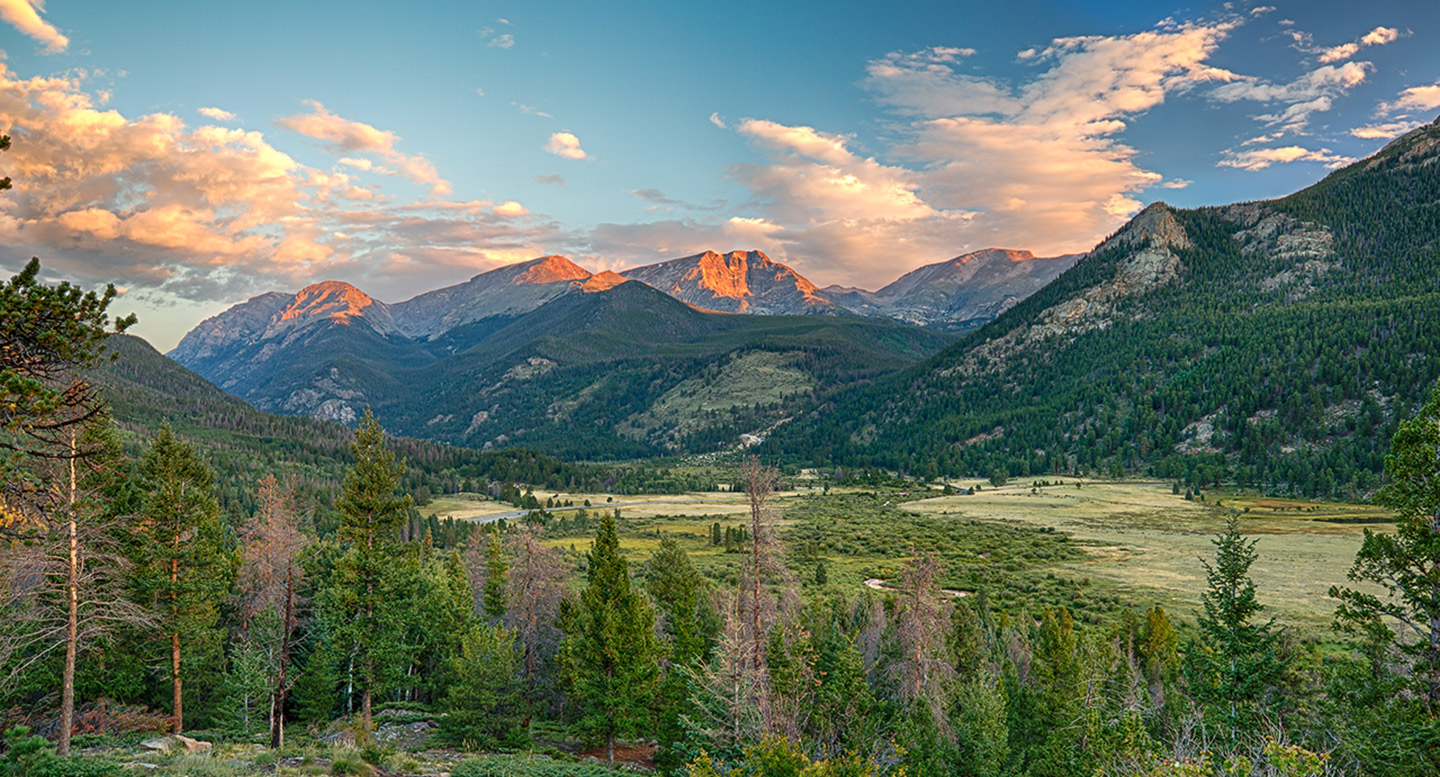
(1095, 549)
(1149, 543)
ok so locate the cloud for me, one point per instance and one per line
(1416, 98)
(567, 145)
(1383, 131)
(217, 114)
(970, 160)
(501, 41)
(346, 136)
(660, 201)
(717, 121)
(1337, 53)
(1311, 93)
(550, 180)
(1261, 158)
(1380, 36)
(201, 213)
(24, 15)
(532, 110)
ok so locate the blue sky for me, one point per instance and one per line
(197, 154)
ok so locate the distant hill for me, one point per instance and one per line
(144, 389)
(1274, 342)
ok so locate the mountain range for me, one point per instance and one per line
(1274, 343)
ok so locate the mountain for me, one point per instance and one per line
(507, 291)
(737, 282)
(1274, 343)
(599, 367)
(958, 294)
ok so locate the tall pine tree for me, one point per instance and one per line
(183, 568)
(610, 657)
(371, 516)
(1236, 663)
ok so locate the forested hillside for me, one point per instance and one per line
(1272, 343)
(144, 390)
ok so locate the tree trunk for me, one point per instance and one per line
(177, 720)
(277, 697)
(610, 750)
(72, 624)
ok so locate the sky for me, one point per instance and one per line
(198, 154)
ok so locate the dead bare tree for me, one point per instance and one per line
(270, 579)
(923, 672)
(65, 586)
(536, 586)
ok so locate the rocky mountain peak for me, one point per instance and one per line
(549, 269)
(1156, 224)
(337, 300)
(600, 281)
(993, 254)
(738, 281)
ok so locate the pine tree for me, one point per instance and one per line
(1406, 564)
(610, 655)
(183, 567)
(486, 700)
(1236, 663)
(371, 517)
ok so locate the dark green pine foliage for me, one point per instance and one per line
(610, 657)
(493, 604)
(690, 629)
(182, 567)
(371, 516)
(486, 701)
(1235, 666)
(1405, 566)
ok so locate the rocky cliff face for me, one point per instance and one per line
(737, 282)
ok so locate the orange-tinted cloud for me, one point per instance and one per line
(346, 136)
(24, 15)
(206, 212)
(567, 145)
(979, 162)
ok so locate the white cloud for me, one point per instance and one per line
(978, 161)
(1261, 158)
(217, 114)
(502, 41)
(1416, 98)
(1380, 36)
(1383, 131)
(510, 209)
(342, 135)
(1311, 93)
(717, 121)
(567, 145)
(25, 16)
(1341, 52)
